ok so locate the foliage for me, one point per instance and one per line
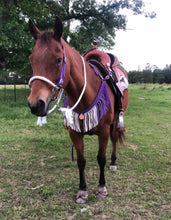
(150, 75)
(83, 20)
(38, 180)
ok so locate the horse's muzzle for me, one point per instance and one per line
(38, 108)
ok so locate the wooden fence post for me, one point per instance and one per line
(15, 93)
(5, 81)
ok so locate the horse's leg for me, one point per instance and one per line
(116, 134)
(101, 158)
(77, 140)
(113, 137)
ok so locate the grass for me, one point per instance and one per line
(38, 180)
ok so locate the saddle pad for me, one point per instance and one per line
(110, 63)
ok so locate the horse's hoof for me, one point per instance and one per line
(82, 197)
(101, 192)
(113, 167)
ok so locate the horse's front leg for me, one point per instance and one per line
(101, 158)
(77, 140)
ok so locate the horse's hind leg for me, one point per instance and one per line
(114, 138)
(116, 134)
(77, 140)
(101, 158)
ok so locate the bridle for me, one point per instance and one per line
(57, 86)
(67, 112)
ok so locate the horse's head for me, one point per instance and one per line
(48, 64)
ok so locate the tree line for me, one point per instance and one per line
(151, 75)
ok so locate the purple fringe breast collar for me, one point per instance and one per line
(93, 114)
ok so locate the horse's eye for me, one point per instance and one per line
(59, 60)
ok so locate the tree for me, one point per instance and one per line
(151, 75)
(83, 20)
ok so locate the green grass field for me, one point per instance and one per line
(38, 180)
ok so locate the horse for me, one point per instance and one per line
(92, 105)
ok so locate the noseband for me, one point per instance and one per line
(59, 85)
(42, 78)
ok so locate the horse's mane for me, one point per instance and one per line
(46, 36)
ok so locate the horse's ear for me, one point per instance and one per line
(58, 29)
(34, 30)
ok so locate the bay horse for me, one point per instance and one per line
(57, 65)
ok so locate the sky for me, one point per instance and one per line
(146, 40)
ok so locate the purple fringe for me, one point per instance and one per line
(102, 102)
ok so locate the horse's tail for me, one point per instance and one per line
(121, 135)
(117, 134)
(117, 128)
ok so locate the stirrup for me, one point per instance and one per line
(121, 120)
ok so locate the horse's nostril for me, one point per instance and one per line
(38, 108)
(40, 104)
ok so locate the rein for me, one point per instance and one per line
(67, 112)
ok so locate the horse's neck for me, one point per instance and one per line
(76, 81)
